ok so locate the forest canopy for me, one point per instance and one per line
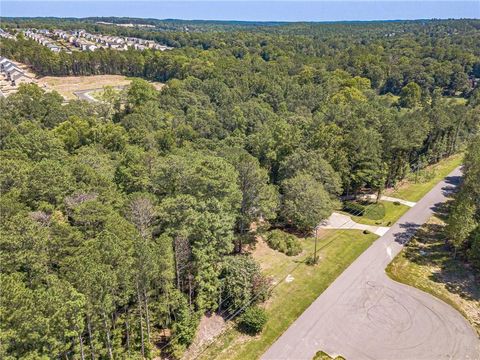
(124, 221)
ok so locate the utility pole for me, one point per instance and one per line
(419, 165)
(315, 251)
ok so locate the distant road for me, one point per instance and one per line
(364, 314)
(85, 94)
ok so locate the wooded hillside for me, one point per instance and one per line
(124, 221)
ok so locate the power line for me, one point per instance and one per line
(413, 163)
(284, 278)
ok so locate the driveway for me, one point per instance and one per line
(341, 221)
(85, 95)
(363, 314)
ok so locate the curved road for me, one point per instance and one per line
(85, 94)
(363, 314)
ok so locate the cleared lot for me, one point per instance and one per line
(68, 85)
(298, 286)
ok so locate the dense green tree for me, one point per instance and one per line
(410, 95)
(305, 202)
(260, 200)
(464, 219)
(74, 133)
(120, 218)
(242, 284)
(253, 320)
(312, 163)
(139, 92)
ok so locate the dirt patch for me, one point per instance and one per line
(269, 259)
(67, 85)
(210, 327)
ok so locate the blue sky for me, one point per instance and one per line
(286, 10)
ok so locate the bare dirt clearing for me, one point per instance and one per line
(67, 85)
(210, 326)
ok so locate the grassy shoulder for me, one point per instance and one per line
(393, 212)
(304, 283)
(427, 264)
(413, 189)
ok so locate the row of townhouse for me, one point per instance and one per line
(91, 42)
(42, 37)
(12, 72)
(126, 25)
(6, 35)
(107, 41)
(123, 43)
(75, 40)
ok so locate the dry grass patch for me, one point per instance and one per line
(67, 85)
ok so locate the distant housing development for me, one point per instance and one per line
(80, 40)
(126, 25)
(41, 37)
(5, 35)
(11, 76)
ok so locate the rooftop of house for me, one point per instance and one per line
(17, 75)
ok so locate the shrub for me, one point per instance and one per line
(320, 355)
(311, 260)
(367, 232)
(253, 320)
(396, 202)
(353, 208)
(283, 242)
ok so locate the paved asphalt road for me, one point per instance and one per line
(85, 94)
(365, 315)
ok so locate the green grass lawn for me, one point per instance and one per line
(392, 213)
(426, 263)
(337, 250)
(414, 191)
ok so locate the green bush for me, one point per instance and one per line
(354, 208)
(283, 242)
(367, 232)
(320, 355)
(253, 320)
